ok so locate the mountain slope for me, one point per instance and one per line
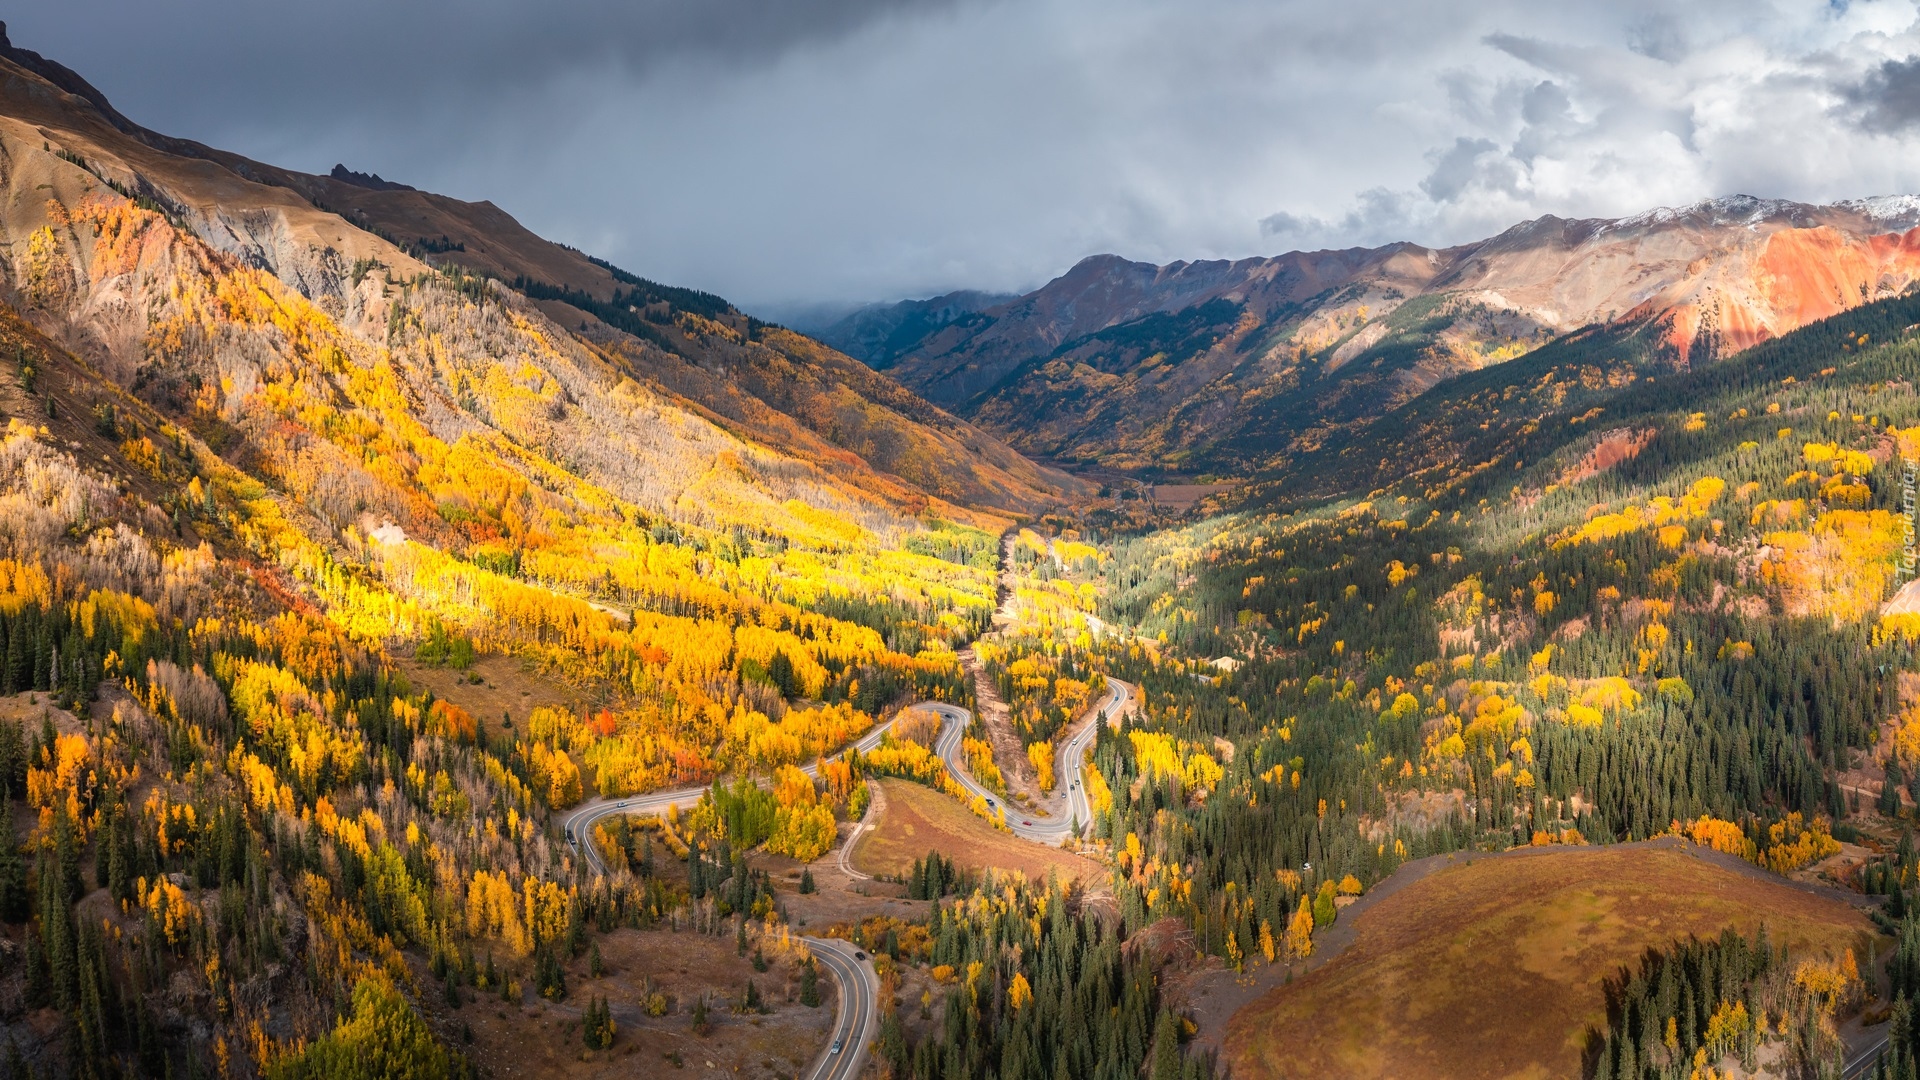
(757, 382)
(330, 567)
(1573, 597)
(878, 334)
(1236, 366)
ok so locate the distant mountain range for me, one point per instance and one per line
(1236, 367)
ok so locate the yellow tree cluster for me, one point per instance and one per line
(538, 915)
(1790, 843)
(1794, 842)
(1839, 567)
(979, 755)
(804, 826)
(553, 774)
(1041, 755)
(1722, 836)
(169, 911)
(63, 781)
(1658, 513)
(1161, 756)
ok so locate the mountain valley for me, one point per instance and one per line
(431, 651)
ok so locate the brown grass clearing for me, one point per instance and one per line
(1183, 496)
(918, 820)
(506, 686)
(1493, 967)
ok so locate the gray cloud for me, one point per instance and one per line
(1456, 167)
(1659, 36)
(393, 49)
(426, 72)
(828, 150)
(1376, 213)
(1888, 99)
(1285, 226)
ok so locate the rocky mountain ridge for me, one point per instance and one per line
(1235, 366)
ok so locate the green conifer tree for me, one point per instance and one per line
(810, 984)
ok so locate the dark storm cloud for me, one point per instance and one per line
(830, 150)
(393, 49)
(430, 74)
(1888, 99)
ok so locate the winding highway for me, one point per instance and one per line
(1035, 825)
(1032, 825)
(579, 822)
(857, 1021)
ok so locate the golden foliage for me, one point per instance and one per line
(1661, 511)
(1041, 755)
(1300, 931)
(1721, 836)
(171, 914)
(1795, 842)
(1839, 567)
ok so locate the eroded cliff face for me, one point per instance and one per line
(1727, 274)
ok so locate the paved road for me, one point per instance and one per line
(579, 822)
(876, 807)
(1076, 747)
(1861, 1062)
(1035, 825)
(858, 1019)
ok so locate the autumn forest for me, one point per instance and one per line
(427, 651)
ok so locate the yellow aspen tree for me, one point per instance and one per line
(1300, 931)
(1041, 754)
(1018, 992)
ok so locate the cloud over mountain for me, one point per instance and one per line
(866, 148)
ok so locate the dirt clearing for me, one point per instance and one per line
(539, 1038)
(1023, 784)
(494, 685)
(919, 819)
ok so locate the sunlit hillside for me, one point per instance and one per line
(267, 472)
(432, 652)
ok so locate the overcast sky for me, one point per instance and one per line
(792, 151)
